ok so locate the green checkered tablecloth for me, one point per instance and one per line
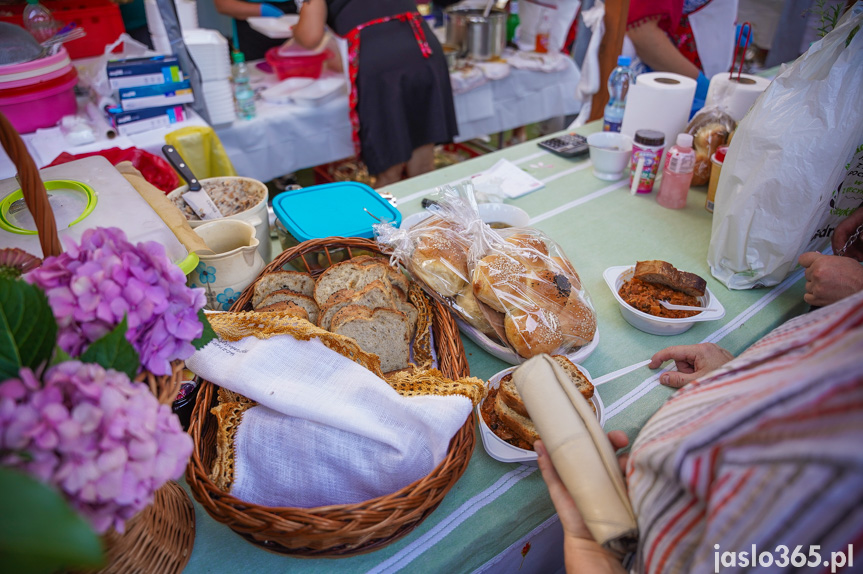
(599, 225)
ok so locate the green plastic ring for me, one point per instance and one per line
(49, 185)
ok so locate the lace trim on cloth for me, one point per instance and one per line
(419, 381)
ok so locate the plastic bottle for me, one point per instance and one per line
(39, 21)
(618, 86)
(244, 95)
(542, 33)
(512, 21)
(677, 173)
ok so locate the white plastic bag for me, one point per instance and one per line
(780, 193)
(559, 15)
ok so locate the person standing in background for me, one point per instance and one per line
(248, 41)
(401, 101)
(693, 38)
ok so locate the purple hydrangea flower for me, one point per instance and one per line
(103, 441)
(92, 286)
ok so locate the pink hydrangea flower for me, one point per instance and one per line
(92, 286)
(103, 441)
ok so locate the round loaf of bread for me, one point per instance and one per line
(563, 266)
(531, 250)
(548, 289)
(577, 322)
(470, 311)
(498, 281)
(440, 262)
(533, 331)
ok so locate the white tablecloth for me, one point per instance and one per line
(285, 137)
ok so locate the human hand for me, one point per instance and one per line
(570, 517)
(693, 361)
(830, 278)
(270, 11)
(844, 230)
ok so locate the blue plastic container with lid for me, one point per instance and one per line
(341, 209)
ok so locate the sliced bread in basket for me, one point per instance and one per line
(288, 307)
(296, 281)
(351, 275)
(375, 294)
(384, 332)
(303, 301)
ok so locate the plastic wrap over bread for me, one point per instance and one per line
(515, 285)
(710, 128)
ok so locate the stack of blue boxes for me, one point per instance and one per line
(151, 92)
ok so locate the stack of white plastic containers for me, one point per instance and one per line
(209, 50)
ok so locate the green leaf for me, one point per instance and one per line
(113, 351)
(60, 356)
(39, 531)
(28, 330)
(207, 335)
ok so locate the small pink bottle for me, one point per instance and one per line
(677, 173)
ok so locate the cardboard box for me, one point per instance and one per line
(157, 96)
(128, 123)
(134, 72)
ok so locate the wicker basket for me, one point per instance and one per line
(169, 523)
(337, 530)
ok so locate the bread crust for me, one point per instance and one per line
(533, 331)
(520, 425)
(577, 321)
(288, 307)
(665, 273)
(498, 281)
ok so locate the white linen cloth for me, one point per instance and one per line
(550, 62)
(327, 430)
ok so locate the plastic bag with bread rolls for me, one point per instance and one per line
(434, 251)
(710, 128)
(580, 451)
(515, 285)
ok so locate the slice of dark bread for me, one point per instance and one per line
(303, 301)
(665, 273)
(520, 425)
(384, 332)
(296, 281)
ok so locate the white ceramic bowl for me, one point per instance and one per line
(615, 277)
(610, 153)
(499, 449)
(489, 212)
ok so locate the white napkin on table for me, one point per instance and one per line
(327, 430)
(551, 62)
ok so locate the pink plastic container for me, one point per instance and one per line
(40, 105)
(35, 71)
(302, 66)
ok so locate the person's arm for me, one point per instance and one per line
(693, 361)
(240, 10)
(581, 552)
(654, 48)
(309, 31)
(830, 278)
(847, 228)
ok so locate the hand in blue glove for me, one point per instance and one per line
(700, 94)
(270, 11)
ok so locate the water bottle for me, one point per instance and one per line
(244, 95)
(39, 21)
(512, 21)
(677, 173)
(618, 86)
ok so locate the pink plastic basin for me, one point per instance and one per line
(303, 66)
(41, 105)
(35, 71)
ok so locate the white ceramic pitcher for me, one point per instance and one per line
(234, 264)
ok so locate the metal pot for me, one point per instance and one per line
(476, 36)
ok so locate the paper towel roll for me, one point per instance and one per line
(659, 101)
(737, 96)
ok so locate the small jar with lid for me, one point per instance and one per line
(647, 146)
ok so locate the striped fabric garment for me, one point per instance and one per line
(768, 451)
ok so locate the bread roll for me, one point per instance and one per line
(470, 311)
(440, 261)
(533, 331)
(563, 265)
(577, 322)
(530, 250)
(548, 289)
(498, 281)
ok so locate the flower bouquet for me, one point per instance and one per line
(76, 333)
